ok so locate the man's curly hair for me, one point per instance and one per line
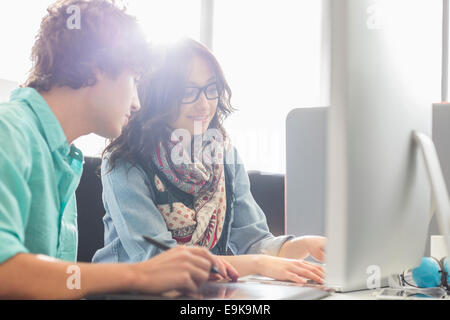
(108, 40)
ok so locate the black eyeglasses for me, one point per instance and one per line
(191, 94)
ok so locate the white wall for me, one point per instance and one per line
(6, 87)
(271, 52)
(19, 23)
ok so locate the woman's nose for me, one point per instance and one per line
(202, 103)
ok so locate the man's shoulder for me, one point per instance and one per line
(18, 131)
(16, 121)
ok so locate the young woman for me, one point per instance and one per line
(174, 175)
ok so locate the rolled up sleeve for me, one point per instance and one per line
(249, 230)
(133, 212)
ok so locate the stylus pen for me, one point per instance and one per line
(165, 247)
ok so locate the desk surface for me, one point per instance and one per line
(355, 295)
(256, 287)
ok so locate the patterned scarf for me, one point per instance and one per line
(201, 225)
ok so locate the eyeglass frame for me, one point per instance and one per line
(200, 90)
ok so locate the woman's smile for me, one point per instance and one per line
(203, 118)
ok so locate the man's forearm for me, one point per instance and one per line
(29, 276)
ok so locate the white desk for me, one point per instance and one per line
(355, 295)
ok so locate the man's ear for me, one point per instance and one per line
(98, 76)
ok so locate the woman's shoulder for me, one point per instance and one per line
(232, 156)
(234, 166)
(121, 167)
(124, 174)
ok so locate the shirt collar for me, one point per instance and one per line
(51, 127)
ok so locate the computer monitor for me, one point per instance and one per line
(306, 135)
(385, 75)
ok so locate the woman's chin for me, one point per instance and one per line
(199, 130)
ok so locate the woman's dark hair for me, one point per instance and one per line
(107, 40)
(160, 92)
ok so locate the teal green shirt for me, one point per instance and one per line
(39, 173)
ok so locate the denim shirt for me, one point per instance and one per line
(131, 212)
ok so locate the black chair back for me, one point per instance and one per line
(90, 210)
(267, 189)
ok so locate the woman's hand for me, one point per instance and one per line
(226, 269)
(316, 246)
(301, 247)
(285, 269)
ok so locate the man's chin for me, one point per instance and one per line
(110, 134)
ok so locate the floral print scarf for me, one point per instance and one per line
(202, 176)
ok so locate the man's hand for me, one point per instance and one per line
(180, 268)
(226, 269)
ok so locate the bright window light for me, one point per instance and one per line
(167, 20)
(271, 54)
(19, 21)
(270, 51)
(162, 21)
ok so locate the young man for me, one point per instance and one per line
(86, 60)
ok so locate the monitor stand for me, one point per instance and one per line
(439, 201)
